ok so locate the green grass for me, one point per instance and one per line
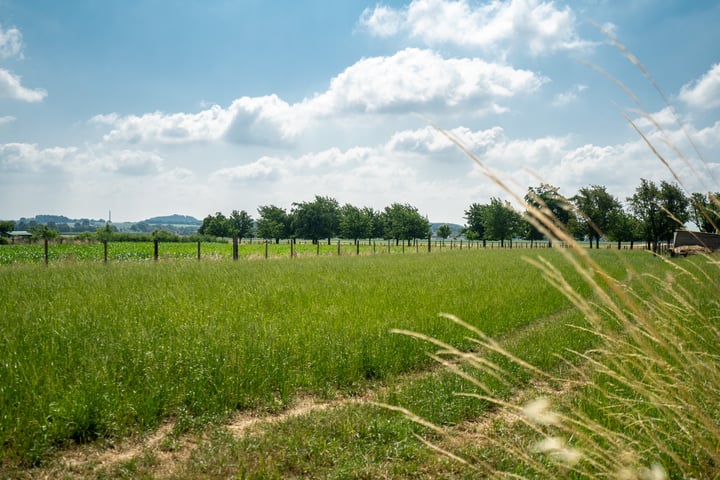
(94, 351)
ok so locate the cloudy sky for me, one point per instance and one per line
(156, 107)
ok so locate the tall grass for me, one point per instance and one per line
(643, 404)
(92, 351)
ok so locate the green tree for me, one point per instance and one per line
(274, 223)
(550, 210)
(500, 220)
(659, 210)
(240, 224)
(705, 211)
(105, 233)
(317, 219)
(475, 228)
(7, 226)
(355, 223)
(444, 231)
(596, 209)
(215, 226)
(377, 222)
(623, 228)
(403, 222)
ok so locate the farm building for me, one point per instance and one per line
(17, 236)
(685, 242)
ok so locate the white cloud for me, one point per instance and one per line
(412, 80)
(264, 121)
(124, 162)
(422, 80)
(265, 168)
(429, 140)
(7, 119)
(703, 93)
(493, 26)
(209, 124)
(568, 97)
(10, 87)
(10, 43)
(27, 157)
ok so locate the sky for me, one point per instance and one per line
(192, 107)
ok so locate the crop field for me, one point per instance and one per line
(134, 251)
(94, 352)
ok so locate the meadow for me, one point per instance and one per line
(71, 250)
(94, 351)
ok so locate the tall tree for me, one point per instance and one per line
(274, 223)
(240, 224)
(551, 209)
(659, 210)
(500, 220)
(355, 223)
(215, 226)
(444, 231)
(623, 228)
(317, 219)
(475, 228)
(403, 222)
(705, 211)
(377, 223)
(596, 209)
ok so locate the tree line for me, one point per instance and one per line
(319, 219)
(651, 214)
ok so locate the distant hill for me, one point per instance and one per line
(174, 220)
(454, 227)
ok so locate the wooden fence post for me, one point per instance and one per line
(104, 251)
(357, 247)
(156, 249)
(292, 253)
(266, 249)
(338, 248)
(236, 253)
(47, 253)
(198, 251)
(429, 243)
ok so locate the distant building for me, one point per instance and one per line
(17, 236)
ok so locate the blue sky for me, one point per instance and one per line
(156, 107)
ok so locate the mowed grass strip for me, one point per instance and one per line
(93, 351)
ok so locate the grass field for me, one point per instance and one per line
(104, 352)
(139, 251)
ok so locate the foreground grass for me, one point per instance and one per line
(102, 352)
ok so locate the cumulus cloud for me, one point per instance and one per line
(264, 120)
(209, 124)
(7, 119)
(429, 140)
(539, 27)
(412, 80)
(11, 87)
(704, 93)
(418, 80)
(10, 43)
(28, 158)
